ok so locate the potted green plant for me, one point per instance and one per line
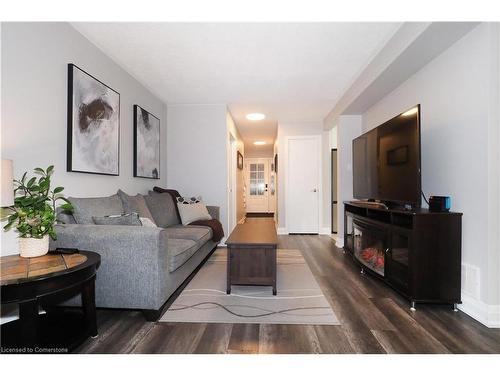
(34, 212)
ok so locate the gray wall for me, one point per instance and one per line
(34, 97)
(197, 153)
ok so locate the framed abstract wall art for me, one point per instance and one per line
(146, 144)
(93, 144)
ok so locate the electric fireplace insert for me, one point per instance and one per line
(370, 245)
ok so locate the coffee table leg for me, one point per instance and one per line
(28, 316)
(275, 269)
(88, 303)
(228, 271)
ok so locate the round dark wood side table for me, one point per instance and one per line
(43, 281)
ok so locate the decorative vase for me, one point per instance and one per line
(33, 247)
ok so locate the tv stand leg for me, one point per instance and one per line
(412, 306)
(455, 307)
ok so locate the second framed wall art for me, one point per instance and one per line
(146, 144)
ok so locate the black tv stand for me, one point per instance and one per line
(417, 252)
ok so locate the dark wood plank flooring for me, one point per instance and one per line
(374, 319)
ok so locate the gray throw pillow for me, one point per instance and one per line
(64, 217)
(85, 208)
(125, 219)
(135, 204)
(163, 209)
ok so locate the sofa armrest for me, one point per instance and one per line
(214, 212)
(132, 259)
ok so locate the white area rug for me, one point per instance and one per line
(299, 299)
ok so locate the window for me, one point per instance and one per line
(257, 179)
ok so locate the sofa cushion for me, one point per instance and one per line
(195, 233)
(85, 208)
(125, 219)
(179, 252)
(135, 204)
(162, 207)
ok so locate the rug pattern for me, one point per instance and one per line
(299, 299)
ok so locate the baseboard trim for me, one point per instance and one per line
(325, 230)
(489, 315)
(282, 231)
(339, 242)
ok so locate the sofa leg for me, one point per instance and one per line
(152, 315)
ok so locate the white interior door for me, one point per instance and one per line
(257, 174)
(303, 182)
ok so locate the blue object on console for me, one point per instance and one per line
(439, 203)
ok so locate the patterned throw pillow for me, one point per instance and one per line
(188, 200)
(192, 209)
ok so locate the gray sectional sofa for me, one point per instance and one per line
(141, 266)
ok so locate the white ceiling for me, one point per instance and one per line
(289, 71)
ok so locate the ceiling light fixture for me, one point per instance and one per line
(255, 116)
(410, 112)
(259, 143)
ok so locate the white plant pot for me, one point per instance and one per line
(33, 247)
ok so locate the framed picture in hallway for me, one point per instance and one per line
(240, 160)
(146, 144)
(93, 144)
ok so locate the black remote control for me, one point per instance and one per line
(64, 250)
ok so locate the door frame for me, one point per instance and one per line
(318, 138)
(333, 180)
(232, 219)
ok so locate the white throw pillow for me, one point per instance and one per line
(192, 209)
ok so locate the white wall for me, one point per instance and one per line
(34, 101)
(333, 137)
(326, 190)
(259, 154)
(348, 128)
(303, 128)
(240, 173)
(197, 137)
(458, 93)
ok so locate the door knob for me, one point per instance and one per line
(314, 190)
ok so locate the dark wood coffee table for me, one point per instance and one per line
(43, 281)
(251, 254)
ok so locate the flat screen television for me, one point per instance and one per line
(386, 161)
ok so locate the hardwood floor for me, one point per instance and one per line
(374, 319)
